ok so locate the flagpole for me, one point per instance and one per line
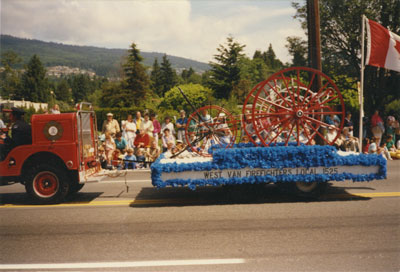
(361, 89)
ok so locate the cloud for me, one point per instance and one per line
(176, 27)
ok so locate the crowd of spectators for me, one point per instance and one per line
(135, 142)
(379, 137)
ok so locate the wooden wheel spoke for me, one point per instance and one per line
(318, 95)
(274, 104)
(323, 112)
(309, 88)
(323, 102)
(316, 121)
(288, 89)
(288, 137)
(280, 95)
(322, 136)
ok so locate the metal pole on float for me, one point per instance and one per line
(361, 88)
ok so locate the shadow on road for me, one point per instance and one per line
(241, 194)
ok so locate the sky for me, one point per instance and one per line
(191, 29)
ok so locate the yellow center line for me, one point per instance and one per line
(131, 202)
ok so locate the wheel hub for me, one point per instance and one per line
(299, 113)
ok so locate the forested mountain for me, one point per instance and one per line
(103, 61)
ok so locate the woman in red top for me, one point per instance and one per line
(377, 126)
(142, 140)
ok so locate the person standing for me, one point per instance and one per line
(147, 125)
(109, 147)
(138, 121)
(130, 131)
(377, 127)
(110, 125)
(156, 125)
(167, 124)
(180, 125)
(348, 123)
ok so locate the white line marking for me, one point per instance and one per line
(121, 264)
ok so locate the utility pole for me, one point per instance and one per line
(314, 41)
(314, 50)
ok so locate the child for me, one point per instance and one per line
(103, 158)
(366, 143)
(109, 147)
(166, 138)
(130, 159)
(140, 158)
(116, 159)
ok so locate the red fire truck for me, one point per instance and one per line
(62, 156)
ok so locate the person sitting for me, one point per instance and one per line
(141, 159)
(130, 160)
(102, 158)
(153, 152)
(120, 142)
(394, 153)
(374, 148)
(167, 138)
(348, 142)
(142, 140)
(366, 143)
(117, 159)
(384, 151)
(21, 133)
(331, 136)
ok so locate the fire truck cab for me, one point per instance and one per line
(62, 156)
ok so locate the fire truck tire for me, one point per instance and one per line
(304, 189)
(47, 184)
(75, 187)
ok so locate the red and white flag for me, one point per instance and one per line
(383, 47)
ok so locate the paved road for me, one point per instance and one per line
(353, 227)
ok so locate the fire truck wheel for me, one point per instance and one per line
(304, 189)
(74, 188)
(47, 184)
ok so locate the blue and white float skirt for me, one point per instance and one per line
(279, 164)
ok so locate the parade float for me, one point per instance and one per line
(287, 140)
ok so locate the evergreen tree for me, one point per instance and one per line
(10, 82)
(136, 80)
(297, 48)
(271, 60)
(63, 91)
(168, 76)
(156, 79)
(34, 81)
(225, 72)
(81, 87)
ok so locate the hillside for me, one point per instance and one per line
(103, 61)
